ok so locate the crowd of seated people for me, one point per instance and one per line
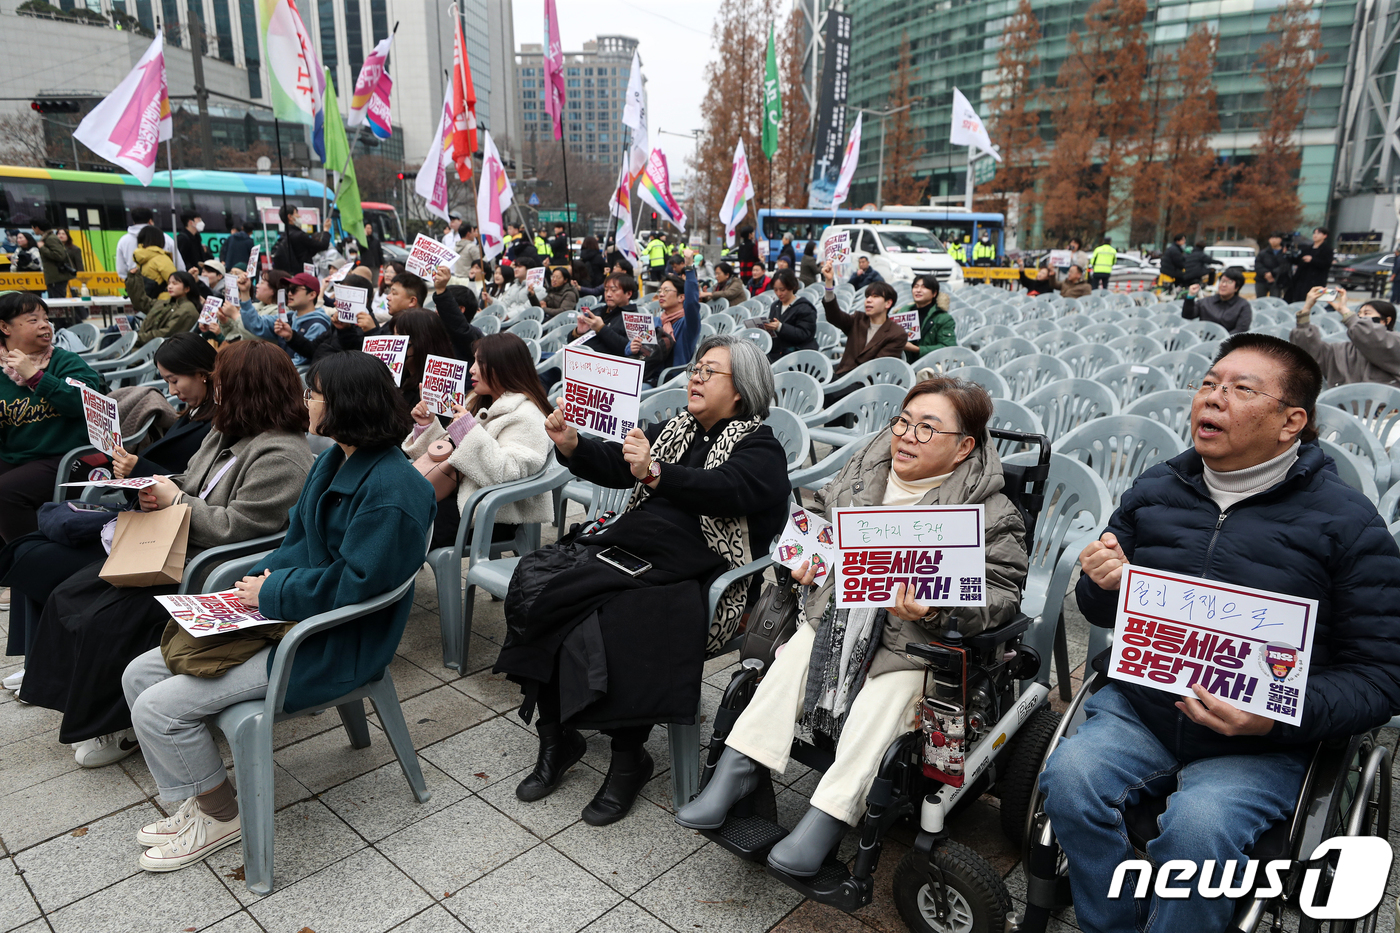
(709, 492)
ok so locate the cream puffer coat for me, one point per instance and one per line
(508, 443)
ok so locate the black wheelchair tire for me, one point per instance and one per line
(968, 876)
(1016, 784)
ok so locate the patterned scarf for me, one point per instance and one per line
(841, 654)
(40, 360)
(727, 537)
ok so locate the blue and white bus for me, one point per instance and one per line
(948, 226)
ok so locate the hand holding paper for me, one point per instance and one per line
(561, 433)
(1208, 710)
(249, 587)
(161, 495)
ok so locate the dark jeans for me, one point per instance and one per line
(1263, 289)
(23, 488)
(1099, 279)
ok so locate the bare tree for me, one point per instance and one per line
(793, 162)
(22, 139)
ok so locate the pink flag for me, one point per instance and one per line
(365, 85)
(848, 165)
(129, 125)
(553, 69)
(431, 183)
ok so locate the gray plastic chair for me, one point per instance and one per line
(1354, 471)
(872, 406)
(791, 433)
(1136, 348)
(65, 464)
(1086, 360)
(759, 336)
(1389, 506)
(1025, 374)
(998, 353)
(117, 348)
(1347, 431)
(135, 359)
(1103, 332)
(1064, 405)
(248, 725)
(798, 392)
(562, 319)
(1142, 326)
(1172, 407)
(720, 323)
(1176, 338)
(810, 362)
(526, 329)
(661, 406)
(1375, 405)
(1003, 314)
(1077, 505)
(1120, 448)
(1184, 366)
(979, 338)
(989, 379)
(1207, 332)
(1033, 327)
(1131, 381)
(487, 323)
(1056, 340)
(946, 359)
(816, 476)
(883, 371)
(1012, 416)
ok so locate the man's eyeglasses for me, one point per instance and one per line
(1243, 393)
(923, 431)
(702, 374)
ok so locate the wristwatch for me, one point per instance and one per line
(653, 473)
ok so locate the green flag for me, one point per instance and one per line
(772, 100)
(352, 216)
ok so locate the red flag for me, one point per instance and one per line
(463, 104)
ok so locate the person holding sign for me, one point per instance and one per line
(936, 452)
(793, 320)
(870, 334)
(710, 490)
(41, 412)
(497, 437)
(359, 529)
(1254, 503)
(339, 337)
(305, 318)
(937, 329)
(172, 313)
(239, 485)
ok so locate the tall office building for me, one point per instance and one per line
(595, 83)
(956, 46)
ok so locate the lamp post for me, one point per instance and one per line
(882, 114)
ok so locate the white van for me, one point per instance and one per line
(897, 251)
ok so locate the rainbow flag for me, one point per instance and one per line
(368, 82)
(655, 189)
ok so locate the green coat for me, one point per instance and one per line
(937, 329)
(164, 317)
(54, 255)
(46, 421)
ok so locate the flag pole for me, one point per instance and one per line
(281, 173)
(170, 176)
(568, 217)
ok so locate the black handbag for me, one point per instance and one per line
(772, 620)
(62, 524)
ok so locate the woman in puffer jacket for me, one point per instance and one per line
(498, 436)
(935, 452)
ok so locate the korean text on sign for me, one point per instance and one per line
(1248, 647)
(909, 320)
(938, 552)
(209, 313)
(103, 425)
(444, 384)
(349, 302)
(390, 350)
(602, 393)
(639, 324)
(427, 254)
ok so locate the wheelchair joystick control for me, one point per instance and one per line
(753, 664)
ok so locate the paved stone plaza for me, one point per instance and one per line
(356, 854)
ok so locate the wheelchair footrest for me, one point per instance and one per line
(749, 837)
(833, 885)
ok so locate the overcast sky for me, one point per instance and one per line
(674, 44)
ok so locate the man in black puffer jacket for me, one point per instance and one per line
(1255, 503)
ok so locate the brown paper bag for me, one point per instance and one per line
(148, 548)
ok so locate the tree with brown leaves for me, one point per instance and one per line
(902, 149)
(1191, 180)
(1266, 197)
(792, 164)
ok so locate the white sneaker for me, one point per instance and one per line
(200, 837)
(106, 749)
(14, 680)
(161, 831)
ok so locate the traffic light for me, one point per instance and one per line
(407, 175)
(653, 215)
(55, 105)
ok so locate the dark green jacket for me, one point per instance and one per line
(46, 421)
(164, 317)
(357, 531)
(937, 329)
(53, 254)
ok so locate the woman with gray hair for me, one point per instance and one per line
(607, 629)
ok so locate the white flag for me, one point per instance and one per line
(431, 183)
(493, 196)
(634, 115)
(848, 165)
(130, 123)
(740, 193)
(626, 241)
(968, 128)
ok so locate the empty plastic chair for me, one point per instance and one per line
(1120, 448)
(487, 323)
(1085, 360)
(1375, 405)
(1350, 433)
(761, 337)
(526, 329)
(989, 379)
(1185, 367)
(946, 359)
(1354, 471)
(1131, 381)
(1065, 405)
(1136, 348)
(791, 433)
(1101, 333)
(980, 338)
(1057, 340)
(1172, 407)
(798, 392)
(1012, 416)
(661, 406)
(997, 354)
(872, 406)
(1144, 326)
(1003, 314)
(1032, 328)
(810, 362)
(1025, 374)
(1175, 338)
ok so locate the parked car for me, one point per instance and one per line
(1368, 273)
(1242, 256)
(897, 251)
(1130, 270)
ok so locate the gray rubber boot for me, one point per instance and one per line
(803, 850)
(736, 776)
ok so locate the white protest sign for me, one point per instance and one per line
(837, 250)
(807, 537)
(282, 305)
(1249, 647)
(426, 255)
(390, 350)
(639, 324)
(602, 393)
(133, 482)
(209, 314)
(253, 262)
(309, 268)
(534, 277)
(211, 613)
(231, 288)
(340, 273)
(103, 425)
(937, 551)
(123, 324)
(349, 302)
(1061, 259)
(444, 383)
(909, 320)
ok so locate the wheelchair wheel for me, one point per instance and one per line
(1017, 783)
(977, 900)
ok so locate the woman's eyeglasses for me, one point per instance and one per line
(702, 374)
(923, 431)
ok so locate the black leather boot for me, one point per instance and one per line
(560, 750)
(628, 773)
